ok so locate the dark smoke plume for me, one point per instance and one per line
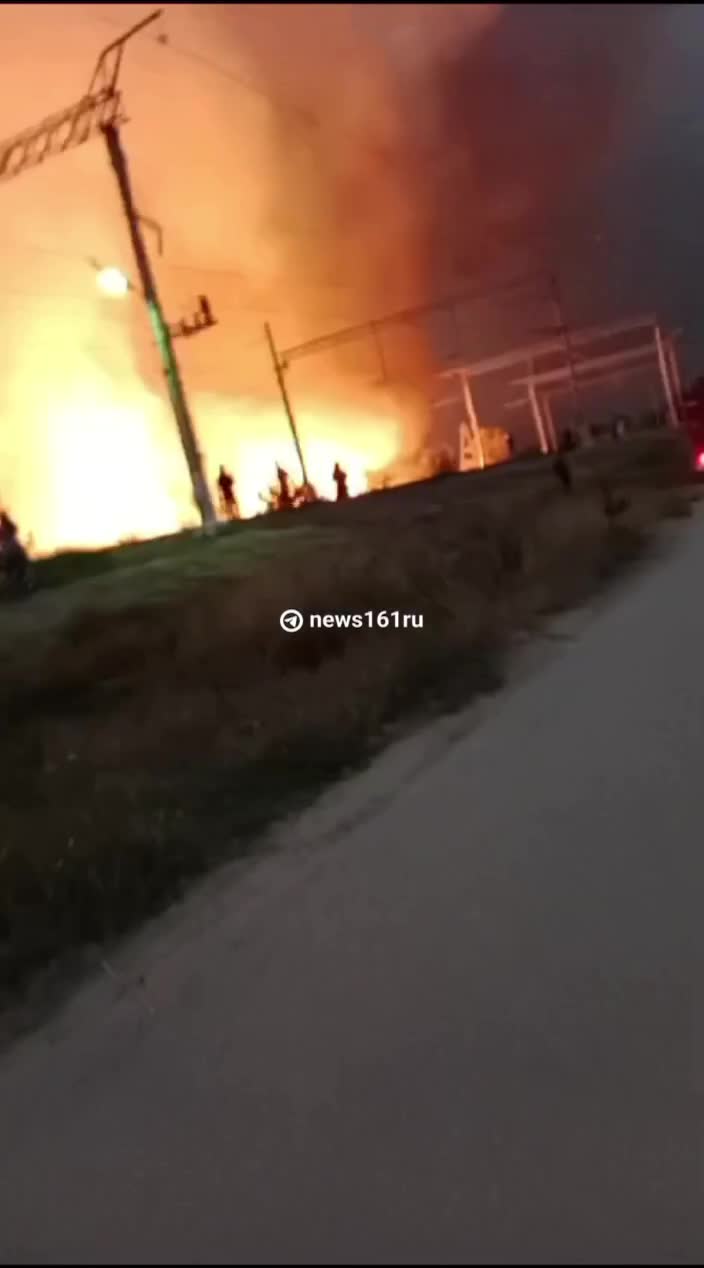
(447, 136)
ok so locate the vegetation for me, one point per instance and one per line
(157, 717)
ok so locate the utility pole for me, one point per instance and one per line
(100, 111)
(672, 414)
(279, 372)
(472, 419)
(373, 330)
(563, 329)
(162, 332)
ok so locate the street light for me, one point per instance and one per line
(113, 282)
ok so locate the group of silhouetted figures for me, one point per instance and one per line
(282, 496)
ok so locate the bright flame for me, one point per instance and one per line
(89, 450)
(253, 438)
(101, 460)
(117, 472)
(113, 282)
(107, 476)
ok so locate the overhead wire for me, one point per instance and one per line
(262, 307)
(164, 41)
(282, 103)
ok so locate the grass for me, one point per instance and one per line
(161, 719)
(187, 556)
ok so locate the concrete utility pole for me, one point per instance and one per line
(279, 372)
(667, 384)
(162, 333)
(538, 419)
(100, 111)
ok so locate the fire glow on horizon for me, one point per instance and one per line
(312, 166)
(284, 189)
(89, 453)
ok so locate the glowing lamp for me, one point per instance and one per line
(700, 460)
(113, 282)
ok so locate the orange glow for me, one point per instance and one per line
(93, 456)
(107, 476)
(309, 225)
(110, 470)
(254, 437)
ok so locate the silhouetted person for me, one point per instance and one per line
(8, 530)
(340, 478)
(228, 501)
(13, 557)
(613, 504)
(285, 498)
(562, 470)
(306, 495)
(569, 441)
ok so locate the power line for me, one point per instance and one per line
(279, 102)
(235, 77)
(285, 105)
(35, 246)
(222, 270)
(247, 310)
(47, 298)
(403, 316)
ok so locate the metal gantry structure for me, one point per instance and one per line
(100, 113)
(372, 331)
(586, 365)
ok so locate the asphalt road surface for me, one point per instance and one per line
(463, 1024)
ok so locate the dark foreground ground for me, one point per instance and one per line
(458, 1020)
(157, 719)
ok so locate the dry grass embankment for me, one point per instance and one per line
(144, 744)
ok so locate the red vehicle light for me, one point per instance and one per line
(699, 461)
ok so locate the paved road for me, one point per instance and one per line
(467, 1029)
